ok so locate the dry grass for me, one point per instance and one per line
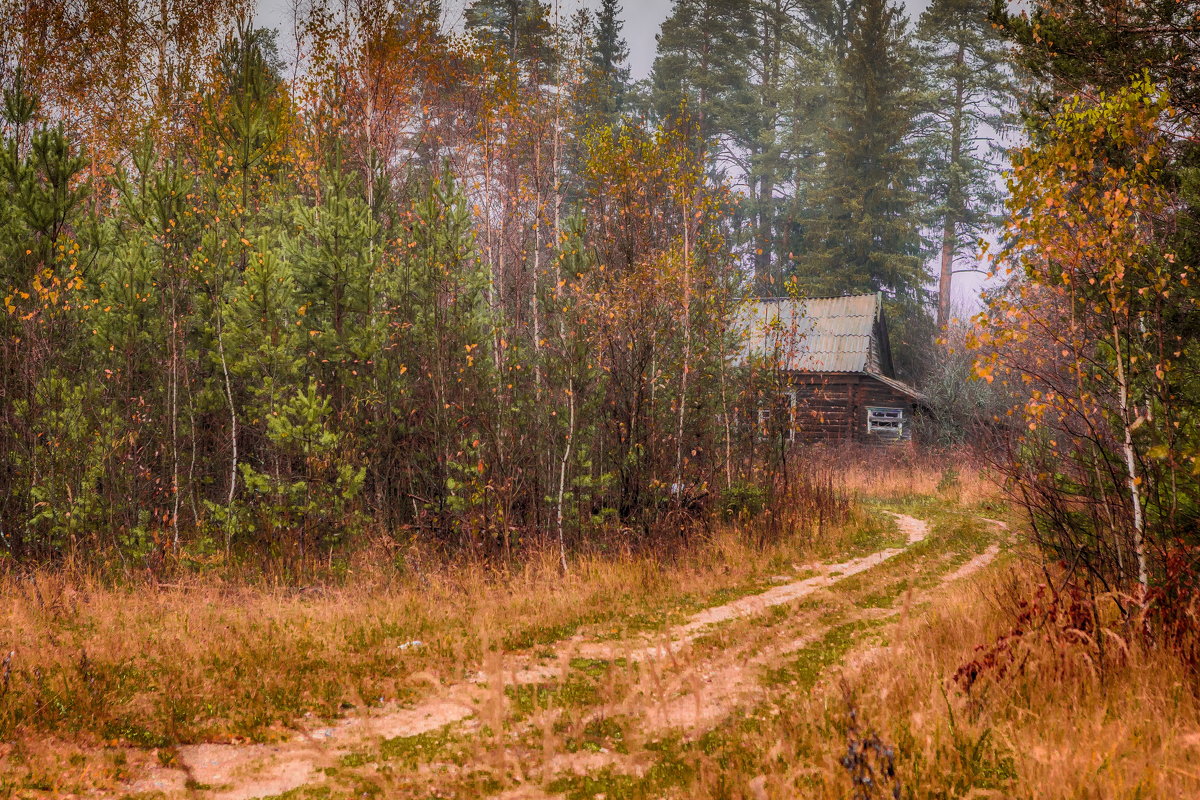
(205, 661)
(1061, 720)
(906, 472)
(154, 666)
(1065, 725)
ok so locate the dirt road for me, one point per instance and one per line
(517, 715)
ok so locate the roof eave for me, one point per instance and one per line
(901, 387)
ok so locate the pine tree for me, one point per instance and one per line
(971, 93)
(41, 169)
(439, 299)
(241, 159)
(497, 22)
(701, 64)
(51, 457)
(522, 29)
(333, 264)
(831, 23)
(242, 155)
(866, 237)
(760, 134)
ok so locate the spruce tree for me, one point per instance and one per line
(867, 234)
(610, 61)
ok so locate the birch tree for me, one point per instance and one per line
(1082, 332)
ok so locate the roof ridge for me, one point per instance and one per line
(819, 297)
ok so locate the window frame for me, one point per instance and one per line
(786, 401)
(892, 426)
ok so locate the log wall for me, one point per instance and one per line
(833, 406)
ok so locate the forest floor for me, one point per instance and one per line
(758, 690)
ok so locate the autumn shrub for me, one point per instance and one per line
(1086, 334)
(742, 501)
(1054, 632)
(959, 412)
(1174, 606)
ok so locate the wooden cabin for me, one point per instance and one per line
(836, 359)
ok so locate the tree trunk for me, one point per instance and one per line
(947, 272)
(953, 196)
(687, 347)
(562, 473)
(1131, 476)
(233, 430)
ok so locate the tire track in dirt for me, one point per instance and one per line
(696, 702)
(243, 772)
(915, 530)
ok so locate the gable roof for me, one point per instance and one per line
(819, 334)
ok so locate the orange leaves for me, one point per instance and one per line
(1079, 326)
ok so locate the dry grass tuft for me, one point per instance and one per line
(907, 471)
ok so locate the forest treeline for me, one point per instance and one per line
(475, 288)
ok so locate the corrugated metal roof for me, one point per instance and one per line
(819, 334)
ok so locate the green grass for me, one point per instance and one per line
(806, 666)
(596, 667)
(674, 766)
(441, 744)
(534, 635)
(599, 734)
(576, 690)
(303, 793)
(885, 597)
(875, 532)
